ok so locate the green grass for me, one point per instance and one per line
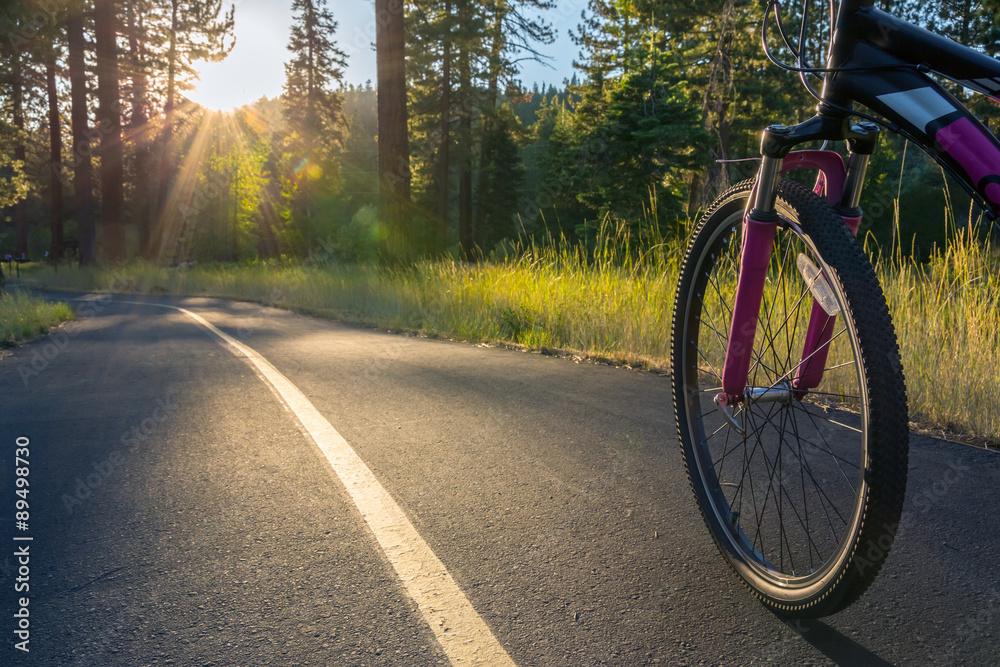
(617, 307)
(23, 317)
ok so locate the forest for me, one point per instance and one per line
(103, 158)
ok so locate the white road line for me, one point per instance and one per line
(461, 632)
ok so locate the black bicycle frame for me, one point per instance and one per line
(882, 62)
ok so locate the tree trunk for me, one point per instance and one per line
(112, 172)
(716, 106)
(466, 233)
(309, 129)
(267, 215)
(20, 154)
(310, 124)
(490, 104)
(82, 170)
(55, 158)
(393, 141)
(444, 153)
(164, 228)
(138, 126)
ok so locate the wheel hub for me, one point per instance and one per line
(779, 393)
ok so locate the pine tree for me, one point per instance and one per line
(464, 58)
(501, 178)
(136, 66)
(716, 46)
(15, 90)
(82, 149)
(32, 45)
(393, 144)
(653, 136)
(444, 152)
(313, 106)
(513, 35)
(603, 39)
(55, 154)
(14, 183)
(470, 24)
(109, 112)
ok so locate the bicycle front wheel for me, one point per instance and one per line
(801, 489)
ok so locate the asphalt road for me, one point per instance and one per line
(181, 514)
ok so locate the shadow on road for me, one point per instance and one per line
(835, 646)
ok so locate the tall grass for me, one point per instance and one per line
(613, 301)
(947, 316)
(23, 317)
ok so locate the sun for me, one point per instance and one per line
(221, 87)
(255, 67)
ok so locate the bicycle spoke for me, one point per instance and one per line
(716, 373)
(829, 393)
(714, 433)
(771, 469)
(747, 460)
(811, 355)
(805, 498)
(821, 491)
(829, 451)
(808, 533)
(782, 272)
(714, 328)
(783, 327)
(722, 301)
(827, 419)
(722, 462)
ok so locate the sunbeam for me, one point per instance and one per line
(170, 223)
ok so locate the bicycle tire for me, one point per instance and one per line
(803, 449)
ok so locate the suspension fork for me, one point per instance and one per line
(759, 227)
(821, 322)
(842, 187)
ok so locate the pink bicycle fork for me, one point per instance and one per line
(760, 225)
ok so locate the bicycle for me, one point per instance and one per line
(788, 387)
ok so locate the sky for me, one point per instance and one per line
(256, 65)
